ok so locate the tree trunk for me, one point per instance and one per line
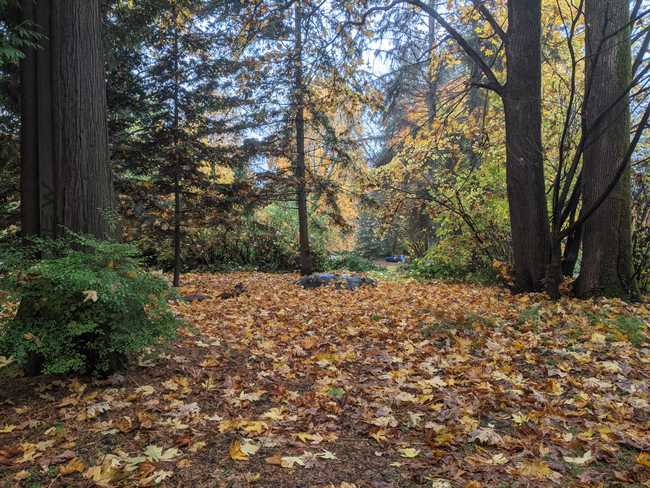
(178, 233)
(607, 250)
(66, 179)
(306, 262)
(432, 75)
(525, 162)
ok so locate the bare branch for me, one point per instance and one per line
(624, 165)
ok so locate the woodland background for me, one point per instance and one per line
(404, 136)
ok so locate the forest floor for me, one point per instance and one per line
(401, 385)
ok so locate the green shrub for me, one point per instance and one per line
(443, 263)
(352, 262)
(264, 241)
(83, 307)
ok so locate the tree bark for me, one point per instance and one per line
(306, 261)
(66, 180)
(607, 243)
(524, 157)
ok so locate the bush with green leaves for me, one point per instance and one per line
(266, 240)
(84, 306)
(352, 262)
(446, 262)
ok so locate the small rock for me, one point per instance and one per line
(194, 298)
(351, 282)
(235, 292)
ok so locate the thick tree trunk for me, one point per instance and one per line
(66, 177)
(525, 162)
(66, 180)
(306, 261)
(607, 250)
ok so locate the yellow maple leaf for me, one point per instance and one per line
(586, 458)
(22, 475)
(197, 446)
(538, 470)
(598, 338)
(6, 429)
(643, 459)
(252, 477)
(228, 425)
(236, 453)
(499, 459)
(520, 418)
(409, 452)
(307, 437)
(145, 390)
(253, 426)
(105, 474)
(379, 436)
(555, 388)
(276, 413)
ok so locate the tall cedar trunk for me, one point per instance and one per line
(66, 179)
(525, 163)
(177, 164)
(607, 250)
(306, 261)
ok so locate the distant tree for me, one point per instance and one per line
(178, 115)
(306, 260)
(305, 58)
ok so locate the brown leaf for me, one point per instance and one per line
(75, 465)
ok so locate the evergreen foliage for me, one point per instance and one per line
(84, 306)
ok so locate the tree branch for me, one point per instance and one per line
(493, 82)
(617, 177)
(491, 20)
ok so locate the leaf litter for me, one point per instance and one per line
(403, 385)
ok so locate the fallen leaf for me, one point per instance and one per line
(598, 338)
(75, 465)
(22, 475)
(409, 452)
(236, 452)
(155, 453)
(586, 458)
(90, 296)
(643, 459)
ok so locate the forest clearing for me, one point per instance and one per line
(402, 385)
(325, 243)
